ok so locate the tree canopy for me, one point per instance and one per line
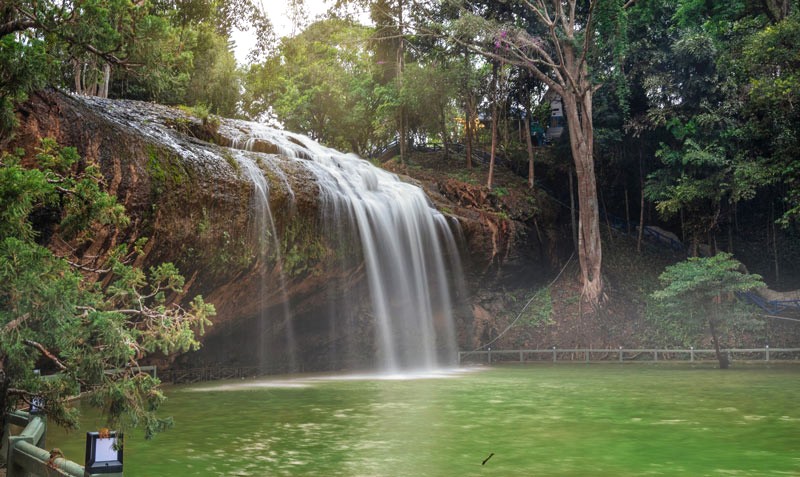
(173, 52)
(83, 326)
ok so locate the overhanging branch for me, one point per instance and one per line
(46, 353)
(20, 392)
(15, 26)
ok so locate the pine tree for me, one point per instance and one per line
(72, 321)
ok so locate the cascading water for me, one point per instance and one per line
(404, 241)
(385, 229)
(150, 122)
(263, 234)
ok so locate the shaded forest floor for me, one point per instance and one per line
(538, 311)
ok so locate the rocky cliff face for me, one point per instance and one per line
(183, 184)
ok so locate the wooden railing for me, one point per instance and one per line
(624, 355)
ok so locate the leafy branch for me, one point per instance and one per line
(73, 321)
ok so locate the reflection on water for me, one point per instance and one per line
(537, 420)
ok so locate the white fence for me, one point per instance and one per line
(490, 356)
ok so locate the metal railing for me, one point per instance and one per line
(587, 355)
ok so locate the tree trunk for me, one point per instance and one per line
(641, 205)
(777, 9)
(76, 76)
(400, 66)
(771, 227)
(494, 125)
(468, 131)
(90, 79)
(491, 157)
(445, 139)
(4, 402)
(627, 211)
(106, 80)
(401, 136)
(530, 148)
(722, 358)
(567, 48)
(572, 215)
(730, 239)
(605, 215)
(578, 111)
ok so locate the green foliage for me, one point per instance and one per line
(24, 68)
(302, 249)
(700, 292)
(720, 83)
(164, 169)
(172, 52)
(214, 79)
(427, 94)
(321, 83)
(610, 49)
(697, 175)
(539, 310)
(232, 253)
(771, 62)
(500, 191)
(467, 176)
(57, 316)
(54, 187)
(698, 281)
(706, 167)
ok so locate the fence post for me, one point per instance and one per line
(766, 353)
(691, 353)
(520, 356)
(586, 354)
(620, 354)
(554, 354)
(655, 355)
(489, 355)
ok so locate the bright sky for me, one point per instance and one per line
(279, 15)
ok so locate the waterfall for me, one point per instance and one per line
(404, 243)
(264, 235)
(386, 230)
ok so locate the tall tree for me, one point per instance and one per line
(703, 99)
(770, 63)
(429, 90)
(557, 48)
(321, 83)
(390, 52)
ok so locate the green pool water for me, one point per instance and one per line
(538, 420)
